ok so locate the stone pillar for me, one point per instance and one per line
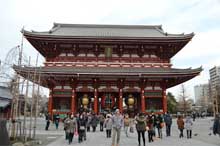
(164, 100)
(95, 101)
(73, 102)
(50, 102)
(120, 103)
(143, 106)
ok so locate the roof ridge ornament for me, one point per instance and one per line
(54, 28)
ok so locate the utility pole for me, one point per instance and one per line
(25, 104)
(36, 103)
(32, 99)
(15, 101)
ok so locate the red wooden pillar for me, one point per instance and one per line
(50, 102)
(164, 100)
(143, 106)
(73, 107)
(120, 103)
(95, 101)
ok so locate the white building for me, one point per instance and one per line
(215, 87)
(214, 74)
(202, 94)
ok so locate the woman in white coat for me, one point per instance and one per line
(189, 126)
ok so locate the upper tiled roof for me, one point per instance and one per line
(94, 30)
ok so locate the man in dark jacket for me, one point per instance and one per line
(81, 123)
(94, 122)
(168, 122)
(216, 125)
(47, 117)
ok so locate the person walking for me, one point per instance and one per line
(85, 118)
(159, 125)
(94, 122)
(180, 124)
(108, 126)
(56, 121)
(216, 125)
(101, 121)
(81, 125)
(141, 127)
(194, 116)
(117, 123)
(47, 117)
(70, 128)
(168, 123)
(66, 126)
(150, 125)
(154, 118)
(88, 124)
(188, 126)
(126, 124)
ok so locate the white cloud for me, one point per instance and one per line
(203, 45)
(201, 17)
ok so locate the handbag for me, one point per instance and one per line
(162, 124)
(82, 127)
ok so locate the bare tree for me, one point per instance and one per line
(183, 99)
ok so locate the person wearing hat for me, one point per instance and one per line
(141, 127)
(117, 123)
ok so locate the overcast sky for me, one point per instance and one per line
(180, 16)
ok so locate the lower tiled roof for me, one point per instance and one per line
(107, 70)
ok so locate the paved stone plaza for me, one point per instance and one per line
(201, 137)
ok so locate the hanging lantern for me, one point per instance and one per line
(107, 101)
(85, 100)
(130, 101)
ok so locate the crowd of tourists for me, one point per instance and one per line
(113, 123)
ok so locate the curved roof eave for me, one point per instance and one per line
(45, 35)
(81, 70)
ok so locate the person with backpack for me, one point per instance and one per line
(141, 127)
